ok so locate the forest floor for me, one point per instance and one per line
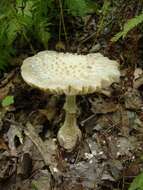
(110, 154)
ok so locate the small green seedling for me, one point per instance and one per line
(7, 101)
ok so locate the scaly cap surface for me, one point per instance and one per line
(68, 73)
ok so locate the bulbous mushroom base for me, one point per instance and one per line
(68, 137)
(69, 134)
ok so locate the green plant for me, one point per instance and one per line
(137, 183)
(128, 26)
(24, 20)
(102, 19)
(8, 100)
(26, 23)
(77, 7)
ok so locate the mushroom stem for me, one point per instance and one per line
(71, 109)
(70, 104)
(69, 134)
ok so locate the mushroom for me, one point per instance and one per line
(72, 75)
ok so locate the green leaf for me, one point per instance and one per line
(137, 183)
(8, 100)
(77, 7)
(42, 33)
(128, 26)
(104, 12)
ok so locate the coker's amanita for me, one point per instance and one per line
(69, 74)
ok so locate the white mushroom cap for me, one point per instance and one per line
(70, 74)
